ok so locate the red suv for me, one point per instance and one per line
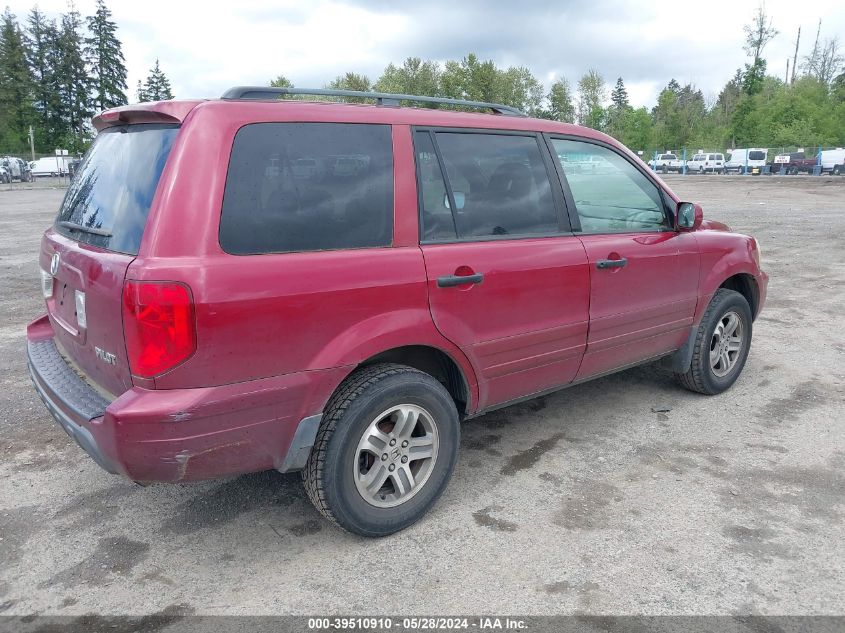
(251, 283)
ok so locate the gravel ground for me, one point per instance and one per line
(586, 501)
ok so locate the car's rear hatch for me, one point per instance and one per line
(85, 255)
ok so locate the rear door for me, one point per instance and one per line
(644, 274)
(507, 281)
(96, 236)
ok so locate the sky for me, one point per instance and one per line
(206, 47)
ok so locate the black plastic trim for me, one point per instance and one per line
(61, 390)
(302, 443)
(266, 93)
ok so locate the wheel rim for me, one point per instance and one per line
(396, 455)
(726, 344)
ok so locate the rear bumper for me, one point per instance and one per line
(184, 434)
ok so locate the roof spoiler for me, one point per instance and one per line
(264, 93)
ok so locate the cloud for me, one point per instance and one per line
(205, 47)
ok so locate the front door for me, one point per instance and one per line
(644, 274)
(508, 283)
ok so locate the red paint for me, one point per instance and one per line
(276, 334)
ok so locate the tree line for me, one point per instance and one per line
(753, 108)
(56, 74)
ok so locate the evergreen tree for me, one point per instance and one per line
(16, 86)
(156, 87)
(619, 96)
(73, 81)
(41, 41)
(103, 49)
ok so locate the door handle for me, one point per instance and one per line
(612, 263)
(459, 280)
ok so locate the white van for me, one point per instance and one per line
(753, 159)
(833, 161)
(704, 162)
(49, 166)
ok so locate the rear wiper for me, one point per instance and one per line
(73, 226)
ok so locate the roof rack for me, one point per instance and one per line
(259, 93)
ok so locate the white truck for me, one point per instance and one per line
(666, 163)
(833, 161)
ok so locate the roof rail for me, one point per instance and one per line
(259, 93)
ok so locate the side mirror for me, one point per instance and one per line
(689, 216)
(460, 199)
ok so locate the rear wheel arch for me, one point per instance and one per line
(434, 362)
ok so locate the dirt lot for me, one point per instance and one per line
(586, 501)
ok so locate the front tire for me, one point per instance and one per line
(385, 450)
(721, 344)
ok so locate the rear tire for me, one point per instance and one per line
(721, 344)
(365, 417)
(837, 170)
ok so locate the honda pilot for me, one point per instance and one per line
(254, 283)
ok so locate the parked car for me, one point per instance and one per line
(5, 177)
(750, 161)
(666, 163)
(49, 166)
(16, 169)
(344, 327)
(833, 161)
(794, 163)
(704, 162)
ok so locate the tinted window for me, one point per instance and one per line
(110, 195)
(757, 155)
(500, 185)
(614, 196)
(308, 186)
(436, 221)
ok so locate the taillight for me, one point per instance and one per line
(158, 323)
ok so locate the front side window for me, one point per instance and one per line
(499, 184)
(307, 187)
(615, 196)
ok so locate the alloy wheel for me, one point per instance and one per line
(726, 344)
(396, 455)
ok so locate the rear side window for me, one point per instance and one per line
(757, 155)
(307, 187)
(499, 184)
(109, 199)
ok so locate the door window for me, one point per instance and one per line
(499, 184)
(613, 195)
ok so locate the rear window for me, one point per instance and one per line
(308, 187)
(757, 155)
(108, 200)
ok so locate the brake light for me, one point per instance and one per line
(158, 323)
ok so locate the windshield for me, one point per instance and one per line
(108, 200)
